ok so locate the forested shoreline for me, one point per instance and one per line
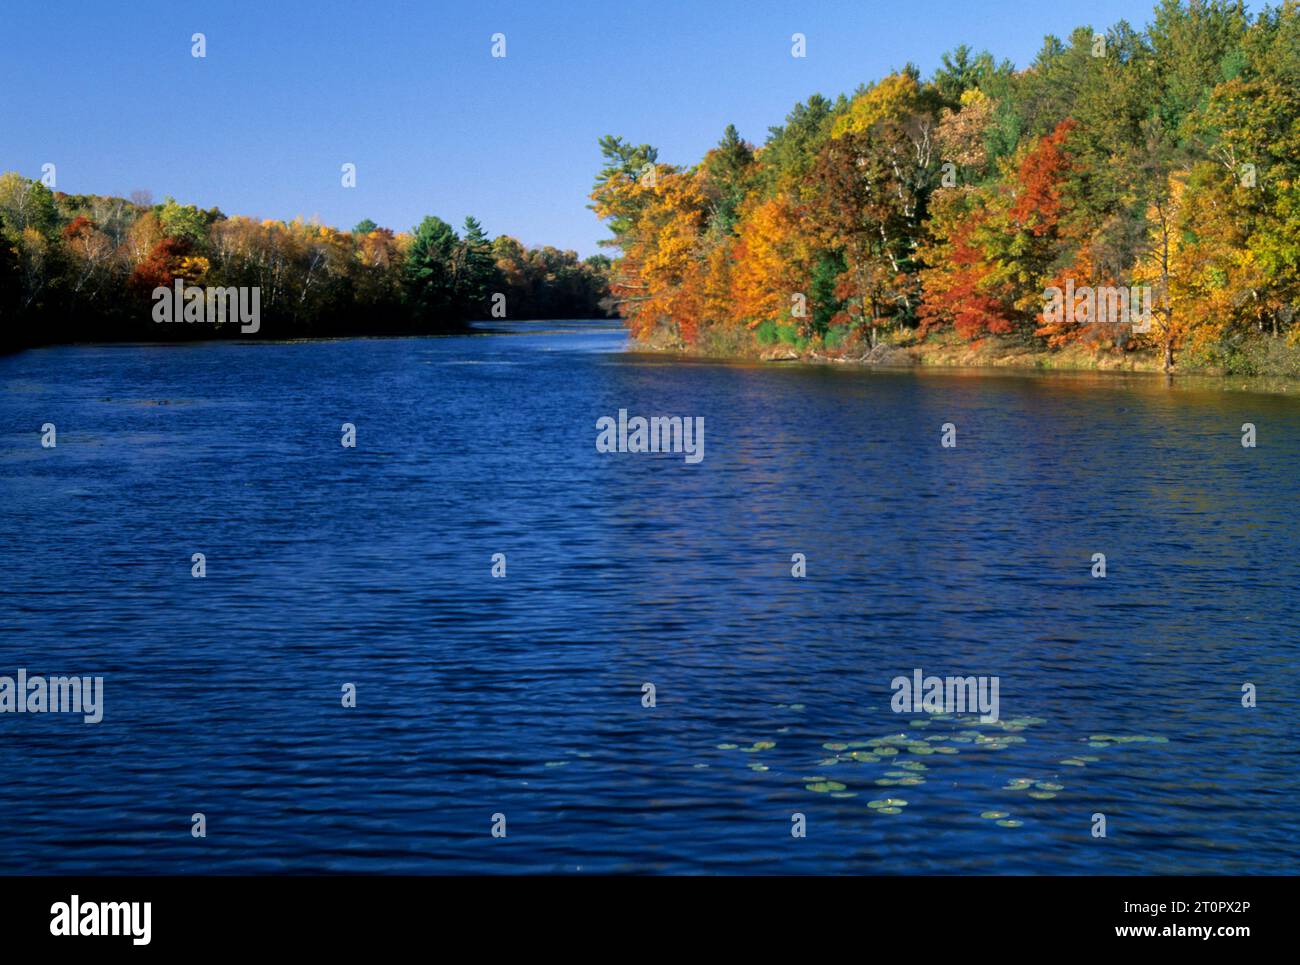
(924, 216)
(79, 268)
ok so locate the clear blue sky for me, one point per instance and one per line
(408, 92)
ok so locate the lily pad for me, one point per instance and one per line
(825, 787)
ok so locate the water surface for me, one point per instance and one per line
(523, 695)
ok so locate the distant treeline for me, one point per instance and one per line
(85, 267)
(942, 209)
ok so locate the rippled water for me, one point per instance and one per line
(523, 696)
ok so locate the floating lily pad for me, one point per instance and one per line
(832, 746)
(1049, 786)
(1010, 823)
(889, 810)
(993, 815)
(1041, 795)
(844, 794)
(825, 787)
(727, 747)
(1074, 762)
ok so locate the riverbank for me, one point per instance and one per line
(1250, 360)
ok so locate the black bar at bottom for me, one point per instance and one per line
(335, 914)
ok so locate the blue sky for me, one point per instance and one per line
(409, 92)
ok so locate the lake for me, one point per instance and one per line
(523, 696)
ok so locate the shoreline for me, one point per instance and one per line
(931, 357)
(996, 358)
